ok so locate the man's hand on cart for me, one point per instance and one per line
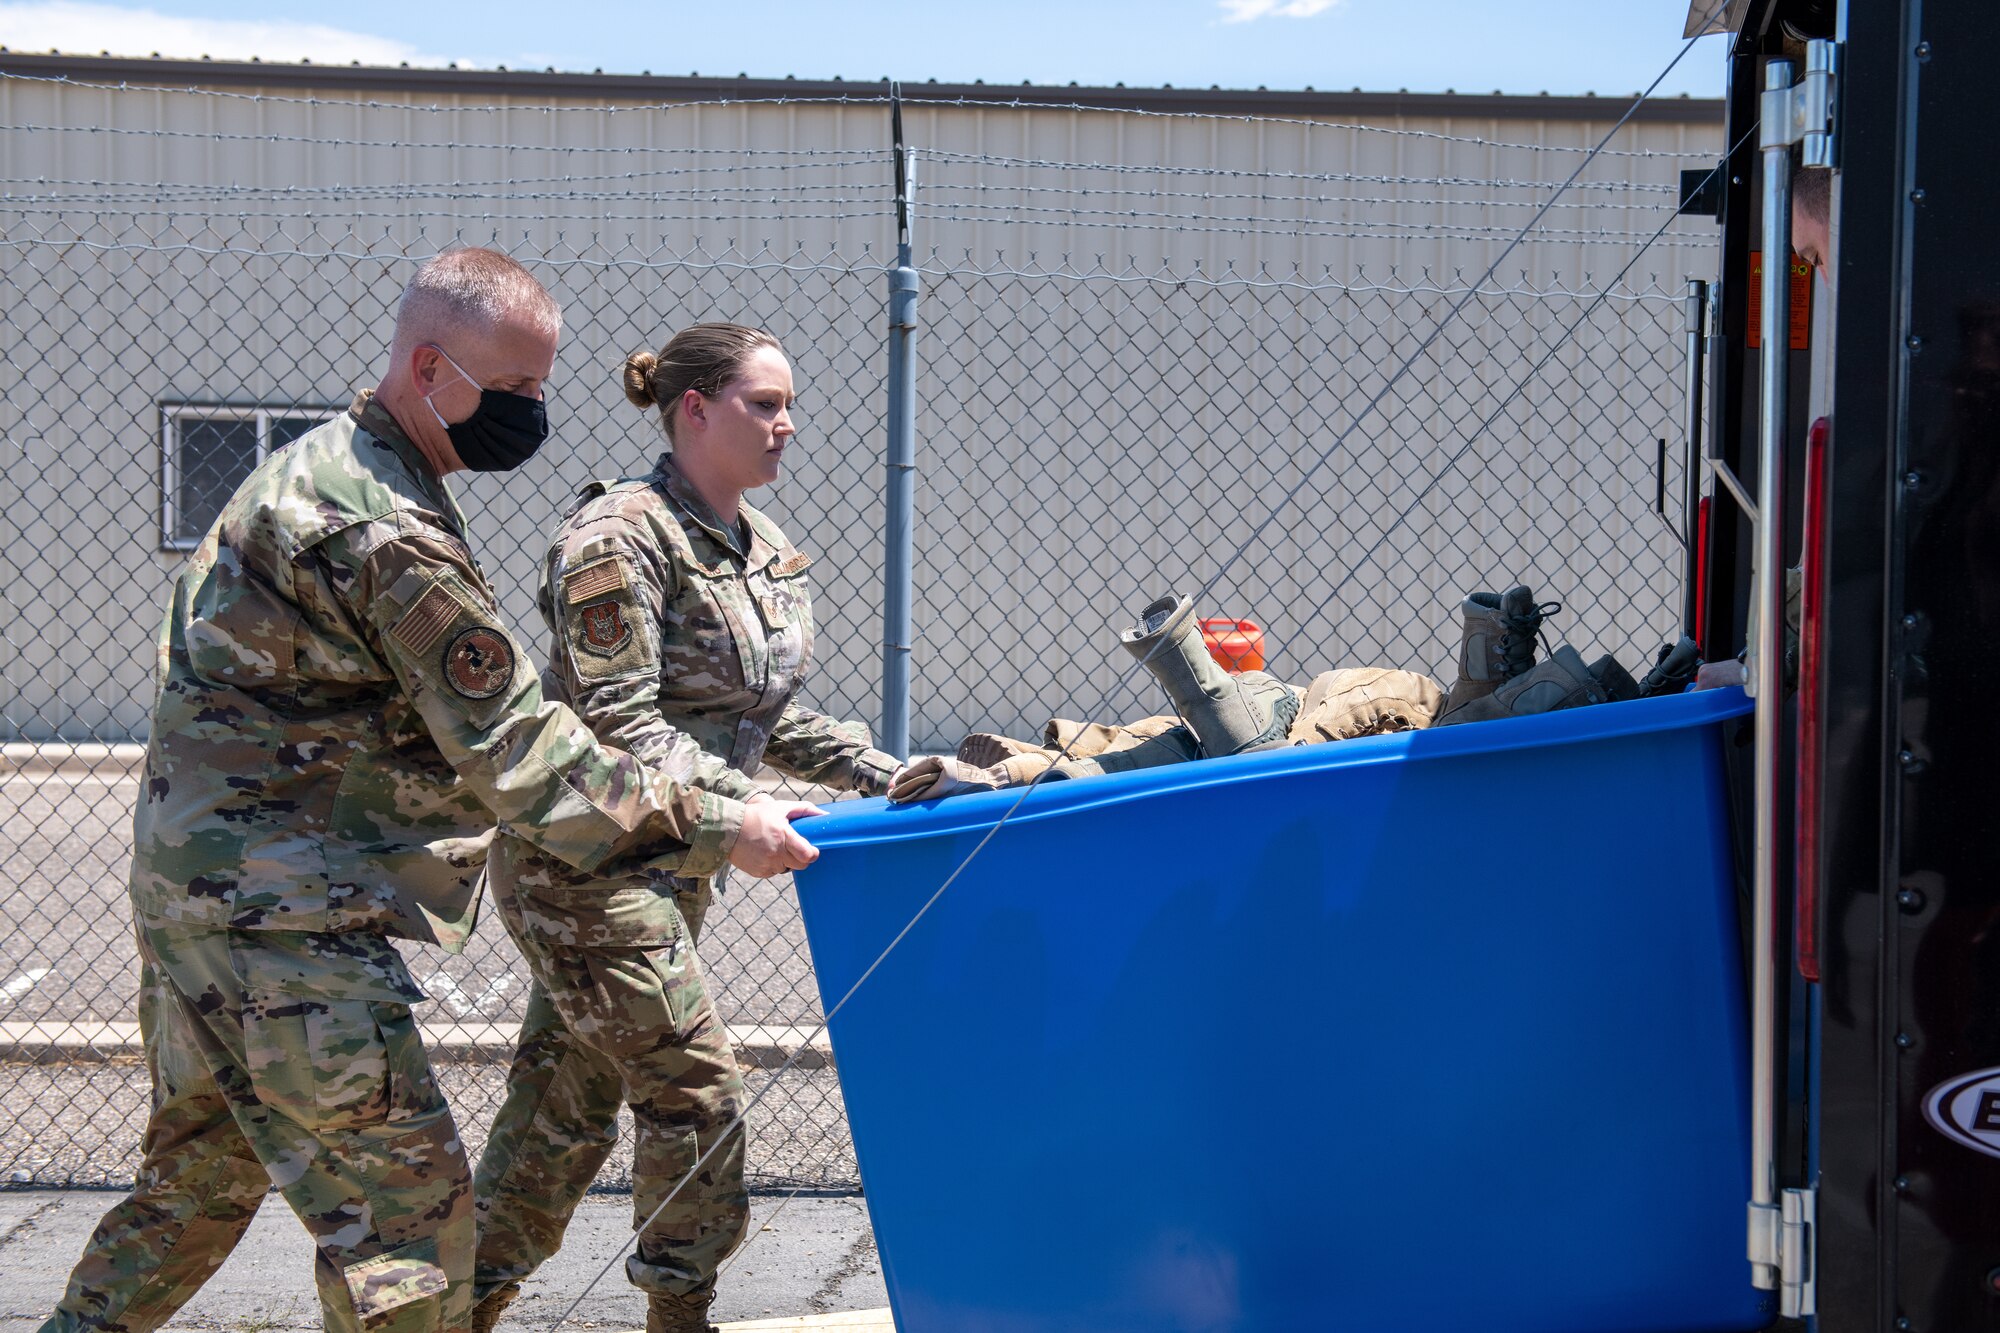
(768, 843)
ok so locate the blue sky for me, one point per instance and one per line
(1610, 47)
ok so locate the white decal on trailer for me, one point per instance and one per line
(1967, 1110)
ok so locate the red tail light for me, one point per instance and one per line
(1701, 572)
(1812, 701)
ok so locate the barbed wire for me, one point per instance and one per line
(762, 261)
(935, 155)
(110, 192)
(323, 141)
(1342, 230)
(500, 183)
(933, 264)
(1412, 231)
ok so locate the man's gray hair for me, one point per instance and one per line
(470, 290)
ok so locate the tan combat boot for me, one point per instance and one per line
(1227, 714)
(1563, 681)
(687, 1313)
(486, 1314)
(1496, 645)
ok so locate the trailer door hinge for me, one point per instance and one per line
(1804, 113)
(1782, 1241)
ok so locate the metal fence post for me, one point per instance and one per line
(899, 497)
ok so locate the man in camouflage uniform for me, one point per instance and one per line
(683, 638)
(341, 718)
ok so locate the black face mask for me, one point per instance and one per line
(502, 433)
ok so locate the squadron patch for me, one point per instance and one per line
(605, 630)
(479, 663)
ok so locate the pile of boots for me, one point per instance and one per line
(1498, 675)
(1220, 714)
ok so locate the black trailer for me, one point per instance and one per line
(1878, 795)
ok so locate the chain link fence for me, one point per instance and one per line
(1094, 429)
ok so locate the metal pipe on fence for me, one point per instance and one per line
(899, 491)
(1768, 677)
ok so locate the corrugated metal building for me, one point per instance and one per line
(1146, 315)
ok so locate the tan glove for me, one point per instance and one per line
(931, 776)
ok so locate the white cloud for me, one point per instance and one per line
(1242, 11)
(86, 29)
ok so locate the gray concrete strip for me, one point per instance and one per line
(266, 1285)
(70, 758)
(44, 1041)
(849, 1321)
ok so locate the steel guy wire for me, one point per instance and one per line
(1520, 387)
(1375, 401)
(833, 1011)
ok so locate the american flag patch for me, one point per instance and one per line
(430, 617)
(593, 580)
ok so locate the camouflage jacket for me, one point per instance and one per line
(683, 641)
(341, 716)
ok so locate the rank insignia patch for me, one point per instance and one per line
(479, 663)
(604, 629)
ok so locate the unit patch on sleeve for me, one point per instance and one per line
(479, 663)
(605, 629)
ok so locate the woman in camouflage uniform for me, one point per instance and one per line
(682, 629)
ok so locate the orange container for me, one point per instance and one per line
(1237, 644)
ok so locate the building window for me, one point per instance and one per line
(206, 452)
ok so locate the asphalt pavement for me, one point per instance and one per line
(74, 1089)
(811, 1255)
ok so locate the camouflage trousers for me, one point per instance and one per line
(608, 1026)
(290, 1059)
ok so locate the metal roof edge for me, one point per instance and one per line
(350, 79)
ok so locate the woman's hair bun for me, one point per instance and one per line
(639, 378)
